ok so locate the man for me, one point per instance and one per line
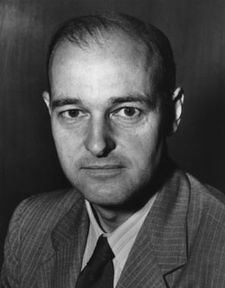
(112, 103)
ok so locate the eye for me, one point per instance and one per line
(128, 112)
(72, 114)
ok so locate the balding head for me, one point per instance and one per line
(89, 31)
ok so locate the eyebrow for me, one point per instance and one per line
(146, 99)
(65, 101)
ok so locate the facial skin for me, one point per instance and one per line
(106, 125)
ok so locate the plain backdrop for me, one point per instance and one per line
(28, 163)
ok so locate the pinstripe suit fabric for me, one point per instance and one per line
(181, 243)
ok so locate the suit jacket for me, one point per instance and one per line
(181, 243)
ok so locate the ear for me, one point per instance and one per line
(46, 98)
(178, 101)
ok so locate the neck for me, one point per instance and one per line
(108, 219)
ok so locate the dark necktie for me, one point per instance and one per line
(98, 273)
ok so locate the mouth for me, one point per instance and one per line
(105, 166)
(103, 171)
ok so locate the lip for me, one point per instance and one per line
(103, 171)
(101, 167)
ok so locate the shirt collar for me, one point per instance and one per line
(125, 231)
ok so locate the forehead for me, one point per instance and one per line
(117, 45)
(111, 62)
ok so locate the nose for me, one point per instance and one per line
(99, 140)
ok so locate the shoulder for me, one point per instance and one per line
(29, 234)
(206, 197)
(45, 208)
(36, 216)
(206, 213)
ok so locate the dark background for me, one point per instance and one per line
(28, 163)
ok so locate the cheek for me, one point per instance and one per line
(67, 143)
(142, 146)
(145, 139)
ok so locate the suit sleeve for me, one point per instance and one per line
(10, 274)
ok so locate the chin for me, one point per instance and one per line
(105, 196)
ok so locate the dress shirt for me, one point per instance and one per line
(120, 240)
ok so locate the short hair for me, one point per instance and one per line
(82, 30)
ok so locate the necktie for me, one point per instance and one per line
(98, 273)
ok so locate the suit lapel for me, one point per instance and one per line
(63, 265)
(160, 249)
(141, 269)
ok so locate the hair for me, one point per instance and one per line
(83, 31)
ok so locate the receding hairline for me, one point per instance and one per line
(93, 28)
(85, 31)
(105, 42)
(140, 50)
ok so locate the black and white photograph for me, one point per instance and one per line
(112, 159)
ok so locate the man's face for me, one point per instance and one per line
(105, 121)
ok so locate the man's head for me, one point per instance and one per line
(112, 81)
